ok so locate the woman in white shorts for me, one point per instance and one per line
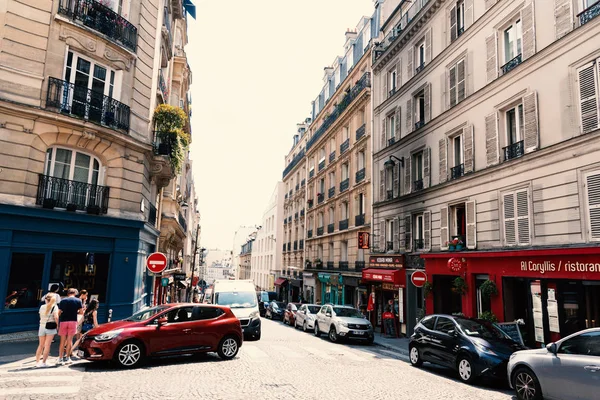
(48, 328)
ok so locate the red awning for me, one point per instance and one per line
(280, 281)
(383, 275)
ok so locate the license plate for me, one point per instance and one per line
(359, 332)
(80, 353)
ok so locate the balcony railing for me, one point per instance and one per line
(360, 132)
(72, 195)
(321, 165)
(320, 231)
(164, 90)
(343, 265)
(182, 222)
(161, 149)
(301, 244)
(151, 214)
(359, 220)
(391, 141)
(392, 92)
(332, 156)
(344, 185)
(359, 265)
(389, 246)
(81, 102)
(363, 82)
(419, 124)
(457, 172)
(389, 194)
(330, 228)
(331, 192)
(343, 225)
(100, 18)
(293, 163)
(509, 66)
(418, 185)
(420, 68)
(589, 13)
(320, 198)
(513, 151)
(360, 175)
(330, 265)
(344, 146)
(309, 233)
(418, 244)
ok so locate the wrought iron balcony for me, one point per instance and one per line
(343, 265)
(419, 124)
(99, 17)
(331, 192)
(309, 233)
(420, 68)
(321, 165)
(360, 132)
(295, 245)
(332, 156)
(72, 195)
(320, 198)
(295, 161)
(311, 173)
(330, 265)
(391, 141)
(330, 228)
(389, 194)
(392, 92)
(389, 246)
(359, 265)
(418, 244)
(360, 175)
(418, 185)
(343, 224)
(162, 85)
(81, 102)
(161, 149)
(513, 151)
(320, 231)
(589, 13)
(359, 220)
(457, 172)
(151, 214)
(344, 146)
(509, 66)
(182, 222)
(344, 185)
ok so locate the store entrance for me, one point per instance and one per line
(445, 300)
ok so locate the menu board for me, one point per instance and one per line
(553, 311)
(538, 318)
(512, 330)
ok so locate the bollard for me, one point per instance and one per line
(109, 315)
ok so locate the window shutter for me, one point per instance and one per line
(523, 231)
(444, 80)
(407, 233)
(382, 235)
(398, 119)
(532, 137)
(491, 139)
(491, 57)
(426, 168)
(409, 64)
(471, 218)
(588, 97)
(563, 17)
(383, 132)
(460, 80)
(396, 186)
(402, 235)
(384, 78)
(510, 234)
(443, 162)
(468, 151)
(382, 185)
(396, 235)
(469, 16)
(427, 230)
(592, 183)
(407, 183)
(427, 100)
(428, 54)
(453, 25)
(489, 3)
(409, 115)
(444, 236)
(452, 85)
(528, 21)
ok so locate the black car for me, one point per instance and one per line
(275, 310)
(263, 300)
(470, 346)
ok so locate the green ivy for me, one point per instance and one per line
(488, 289)
(459, 286)
(488, 316)
(169, 122)
(427, 288)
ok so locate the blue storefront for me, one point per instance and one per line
(104, 255)
(332, 289)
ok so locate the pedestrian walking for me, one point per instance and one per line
(48, 328)
(90, 321)
(69, 308)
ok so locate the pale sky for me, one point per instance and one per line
(256, 67)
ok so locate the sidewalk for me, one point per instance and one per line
(19, 337)
(399, 345)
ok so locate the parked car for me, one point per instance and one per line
(240, 296)
(565, 370)
(275, 310)
(342, 322)
(164, 330)
(289, 315)
(207, 296)
(264, 298)
(305, 317)
(472, 347)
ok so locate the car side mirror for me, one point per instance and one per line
(452, 332)
(162, 321)
(328, 314)
(552, 348)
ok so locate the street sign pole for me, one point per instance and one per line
(190, 288)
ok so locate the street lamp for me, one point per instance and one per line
(391, 164)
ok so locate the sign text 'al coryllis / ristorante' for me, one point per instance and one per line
(550, 266)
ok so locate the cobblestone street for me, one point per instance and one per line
(284, 364)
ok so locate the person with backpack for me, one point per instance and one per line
(48, 328)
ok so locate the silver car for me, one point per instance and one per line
(565, 370)
(306, 316)
(341, 322)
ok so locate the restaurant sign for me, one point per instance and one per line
(386, 261)
(546, 266)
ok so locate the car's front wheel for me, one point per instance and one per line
(317, 331)
(129, 354)
(228, 348)
(526, 384)
(415, 356)
(465, 369)
(333, 336)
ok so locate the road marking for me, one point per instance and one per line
(286, 351)
(254, 352)
(317, 353)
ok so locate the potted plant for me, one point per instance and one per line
(450, 245)
(93, 210)
(459, 286)
(455, 244)
(488, 316)
(49, 203)
(427, 288)
(71, 207)
(169, 122)
(488, 289)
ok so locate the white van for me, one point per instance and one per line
(240, 296)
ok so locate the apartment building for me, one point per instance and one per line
(486, 160)
(338, 161)
(246, 259)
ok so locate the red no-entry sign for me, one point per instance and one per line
(156, 262)
(418, 278)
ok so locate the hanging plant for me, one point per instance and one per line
(169, 122)
(488, 289)
(488, 316)
(459, 286)
(427, 288)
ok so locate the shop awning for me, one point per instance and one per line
(383, 275)
(280, 281)
(324, 277)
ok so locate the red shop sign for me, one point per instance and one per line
(455, 264)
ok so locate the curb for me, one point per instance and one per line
(400, 350)
(26, 336)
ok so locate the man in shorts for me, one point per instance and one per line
(69, 308)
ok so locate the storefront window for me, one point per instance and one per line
(87, 271)
(24, 288)
(483, 303)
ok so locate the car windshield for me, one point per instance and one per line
(474, 328)
(278, 304)
(347, 312)
(263, 297)
(147, 313)
(236, 299)
(313, 309)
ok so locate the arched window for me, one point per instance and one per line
(73, 165)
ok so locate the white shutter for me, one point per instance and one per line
(510, 233)
(528, 24)
(427, 230)
(523, 229)
(452, 85)
(382, 185)
(383, 132)
(384, 79)
(444, 234)
(489, 3)
(409, 116)
(491, 57)
(407, 233)
(401, 237)
(471, 219)
(469, 15)
(563, 17)
(531, 138)
(427, 100)
(443, 146)
(453, 24)
(491, 139)
(460, 80)
(426, 168)
(588, 96)
(396, 186)
(592, 186)
(382, 243)
(410, 70)
(407, 182)
(468, 151)
(428, 54)
(444, 78)
(398, 119)
(396, 234)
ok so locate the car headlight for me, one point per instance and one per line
(342, 323)
(106, 336)
(485, 350)
(254, 314)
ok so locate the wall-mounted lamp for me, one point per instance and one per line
(391, 164)
(183, 205)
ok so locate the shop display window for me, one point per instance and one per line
(81, 271)
(24, 288)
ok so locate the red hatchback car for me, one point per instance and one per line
(165, 330)
(289, 316)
